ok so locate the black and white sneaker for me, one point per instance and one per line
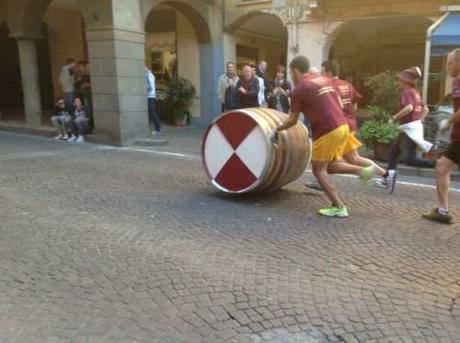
(391, 180)
(381, 183)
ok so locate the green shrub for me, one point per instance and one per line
(384, 91)
(377, 129)
(179, 98)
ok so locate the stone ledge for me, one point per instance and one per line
(151, 142)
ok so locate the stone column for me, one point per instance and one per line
(30, 81)
(117, 61)
(313, 39)
(211, 67)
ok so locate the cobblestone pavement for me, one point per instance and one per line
(113, 245)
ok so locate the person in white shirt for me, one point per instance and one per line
(151, 95)
(66, 79)
(229, 79)
(261, 96)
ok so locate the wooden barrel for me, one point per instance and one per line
(238, 156)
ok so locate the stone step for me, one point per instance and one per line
(151, 142)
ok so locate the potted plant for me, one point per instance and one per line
(180, 94)
(377, 133)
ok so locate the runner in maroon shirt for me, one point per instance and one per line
(451, 157)
(317, 99)
(350, 98)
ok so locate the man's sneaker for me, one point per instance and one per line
(334, 212)
(367, 175)
(72, 138)
(391, 180)
(155, 133)
(437, 216)
(59, 136)
(314, 185)
(381, 183)
(80, 139)
(65, 137)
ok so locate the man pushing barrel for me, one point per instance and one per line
(316, 97)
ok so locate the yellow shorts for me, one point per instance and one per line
(352, 144)
(331, 146)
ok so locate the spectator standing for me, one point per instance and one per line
(85, 92)
(151, 95)
(66, 79)
(261, 69)
(79, 122)
(261, 95)
(231, 95)
(279, 91)
(229, 79)
(61, 118)
(248, 89)
(78, 75)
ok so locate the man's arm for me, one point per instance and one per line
(426, 110)
(455, 118)
(61, 78)
(291, 121)
(254, 88)
(221, 89)
(150, 82)
(404, 112)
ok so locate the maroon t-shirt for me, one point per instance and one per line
(410, 96)
(317, 99)
(456, 100)
(349, 96)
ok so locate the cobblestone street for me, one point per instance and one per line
(103, 244)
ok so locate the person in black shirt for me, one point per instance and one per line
(79, 122)
(279, 90)
(231, 95)
(61, 118)
(248, 89)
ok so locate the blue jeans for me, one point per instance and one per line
(79, 126)
(153, 115)
(61, 123)
(69, 100)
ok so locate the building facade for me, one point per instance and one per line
(194, 39)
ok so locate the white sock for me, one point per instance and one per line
(443, 211)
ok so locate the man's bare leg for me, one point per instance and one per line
(355, 158)
(441, 214)
(320, 170)
(343, 167)
(444, 167)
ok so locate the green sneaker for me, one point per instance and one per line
(435, 215)
(367, 175)
(334, 212)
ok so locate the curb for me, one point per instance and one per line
(151, 142)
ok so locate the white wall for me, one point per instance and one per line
(230, 48)
(268, 50)
(65, 39)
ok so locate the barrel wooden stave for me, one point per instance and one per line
(287, 161)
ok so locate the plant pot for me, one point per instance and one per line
(180, 121)
(381, 151)
(164, 111)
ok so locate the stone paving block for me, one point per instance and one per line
(126, 246)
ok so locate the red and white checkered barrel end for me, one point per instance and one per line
(238, 156)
